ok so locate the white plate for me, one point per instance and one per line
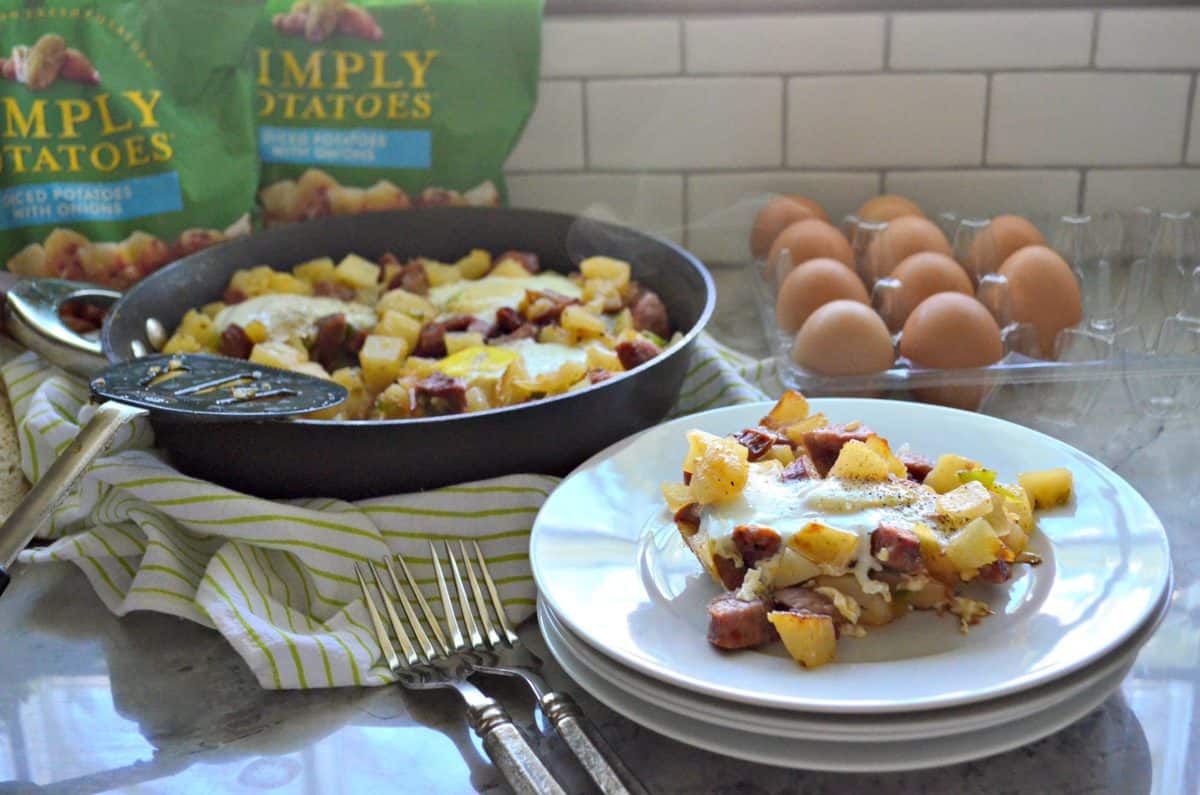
(607, 558)
(851, 728)
(882, 756)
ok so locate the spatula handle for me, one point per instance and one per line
(62, 475)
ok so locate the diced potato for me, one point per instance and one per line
(792, 568)
(346, 201)
(287, 284)
(406, 303)
(395, 403)
(358, 402)
(876, 610)
(382, 359)
(968, 501)
(623, 322)
(277, 354)
(461, 340)
(385, 195)
(281, 200)
(721, 471)
(809, 639)
(781, 453)
(894, 464)
(607, 269)
(201, 328)
(677, 495)
(560, 380)
(823, 544)
(582, 322)
(312, 184)
(397, 324)
(974, 546)
(510, 269)
(1016, 539)
(1047, 487)
(475, 265)
(252, 282)
(213, 309)
(944, 475)
(312, 368)
(315, 270)
(1020, 505)
(698, 442)
(790, 408)
(795, 432)
(934, 594)
(357, 272)
(256, 331)
(857, 461)
(183, 343)
(936, 563)
(601, 296)
(440, 273)
(477, 399)
(601, 358)
(514, 386)
(557, 335)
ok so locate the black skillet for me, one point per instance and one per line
(351, 460)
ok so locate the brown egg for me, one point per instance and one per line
(843, 338)
(777, 215)
(886, 208)
(811, 285)
(810, 239)
(903, 237)
(1044, 292)
(1012, 232)
(924, 274)
(951, 331)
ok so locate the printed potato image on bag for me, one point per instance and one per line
(368, 105)
(126, 141)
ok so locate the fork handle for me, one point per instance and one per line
(510, 752)
(602, 763)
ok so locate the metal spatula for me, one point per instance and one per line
(186, 386)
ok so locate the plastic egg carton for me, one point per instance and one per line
(1139, 274)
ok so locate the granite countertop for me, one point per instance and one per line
(148, 703)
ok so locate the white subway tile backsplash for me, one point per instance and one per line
(982, 192)
(991, 40)
(885, 120)
(1086, 119)
(778, 44)
(1161, 188)
(685, 123)
(1149, 38)
(610, 46)
(1193, 150)
(553, 138)
(721, 207)
(650, 202)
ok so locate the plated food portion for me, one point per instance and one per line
(421, 337)
(818, 530)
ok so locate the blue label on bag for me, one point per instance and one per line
(362, 147)
(72, 202)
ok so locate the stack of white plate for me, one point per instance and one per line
(623, 602)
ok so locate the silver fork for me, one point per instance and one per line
(432, 664)
(498, 650)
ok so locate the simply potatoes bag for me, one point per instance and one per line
(386, 104)
(127, 133)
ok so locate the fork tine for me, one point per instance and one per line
(463, 604)
(381, 635)
(509, 634)
(480, 606)
(410, 653)
(421, 601)
(428, 649)
(456, 638)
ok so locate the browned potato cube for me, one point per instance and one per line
(809, 638)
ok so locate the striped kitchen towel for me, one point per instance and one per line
(276, 578)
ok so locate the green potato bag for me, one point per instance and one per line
(127, 133)
(385, 104)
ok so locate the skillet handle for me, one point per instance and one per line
(31, 317)
(28, 517)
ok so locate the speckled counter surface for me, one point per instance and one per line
(149, 704)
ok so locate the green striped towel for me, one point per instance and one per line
(276, 578)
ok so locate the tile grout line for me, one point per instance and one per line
(583, 121)
(1002, 168)
(987, 118)
(783, 124)
(939, 72)
(685, 211)
(1095, 39)
(1079, 199)
(1187, 123)
(683, 64)
(887, 43)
